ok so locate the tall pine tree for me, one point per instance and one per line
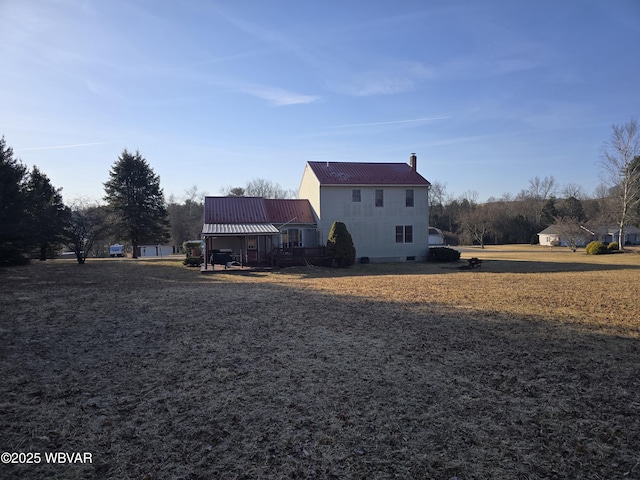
(46, 213)
(12, 207)
(134, 195)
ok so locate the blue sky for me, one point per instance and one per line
(488, 93)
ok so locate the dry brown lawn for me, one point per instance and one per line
(526, 368)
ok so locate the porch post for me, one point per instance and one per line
(205, 251)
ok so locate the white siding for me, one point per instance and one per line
(374, 228)
(310, 189)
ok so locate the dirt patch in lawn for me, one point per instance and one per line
(413, 371)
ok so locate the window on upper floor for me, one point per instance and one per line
(380, 198)
(355, 195)
(409, 197)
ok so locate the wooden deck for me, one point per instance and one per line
(277, 258)
(295, 256)
(235, 269)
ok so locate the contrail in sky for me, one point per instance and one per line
(388, 123)
(59, 146)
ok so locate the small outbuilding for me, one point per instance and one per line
(436, 237)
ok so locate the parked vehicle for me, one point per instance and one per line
(116, 250)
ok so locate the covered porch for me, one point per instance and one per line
(238, 244)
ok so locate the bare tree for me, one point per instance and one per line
(87, 221)
(259, 187)
(573, 190)
(621, 170)
(540, 190)
(477, 224)
(571, 232)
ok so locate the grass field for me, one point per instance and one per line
(526, 368)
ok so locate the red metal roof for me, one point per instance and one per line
(363, 173)
(245, 210)
(235, 210)
(289, 210)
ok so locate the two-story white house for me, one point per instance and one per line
(385, 206)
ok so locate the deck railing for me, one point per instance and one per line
(288, 256)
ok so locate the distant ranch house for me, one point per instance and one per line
(611, 233)
(551, 236)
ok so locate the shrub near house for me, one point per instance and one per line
(340, 245)
(595, 248)
(193, 253)
(443, 254)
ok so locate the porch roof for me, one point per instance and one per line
(238, 229)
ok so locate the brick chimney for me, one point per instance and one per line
(413, 161)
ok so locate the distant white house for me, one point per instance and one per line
(156, 250)
(551, 236)
(385, 206)
(611, 233)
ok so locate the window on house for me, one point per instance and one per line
(399, 234)
(355, 195)
(409, 197)
(408, 234)
(404, 233)
(252, 243)
(379, 198)
(291, 237)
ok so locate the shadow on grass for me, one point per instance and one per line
(189, 377)
(488, 266)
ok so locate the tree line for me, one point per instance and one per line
(35, 222)
(519, 218)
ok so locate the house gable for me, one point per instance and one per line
(375, 201)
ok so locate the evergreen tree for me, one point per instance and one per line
(133, 193)
(548, 213)
(572, 208)
(12, 207)
(46, 212)
(340, 245)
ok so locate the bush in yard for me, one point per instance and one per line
(193, 261)
(340, 245)
(190, 246)
(596, 248)
(613, 246)
(443, 254)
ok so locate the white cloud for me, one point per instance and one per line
(277, 96)
(56, 147)
(395, 77)
(392, 122)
